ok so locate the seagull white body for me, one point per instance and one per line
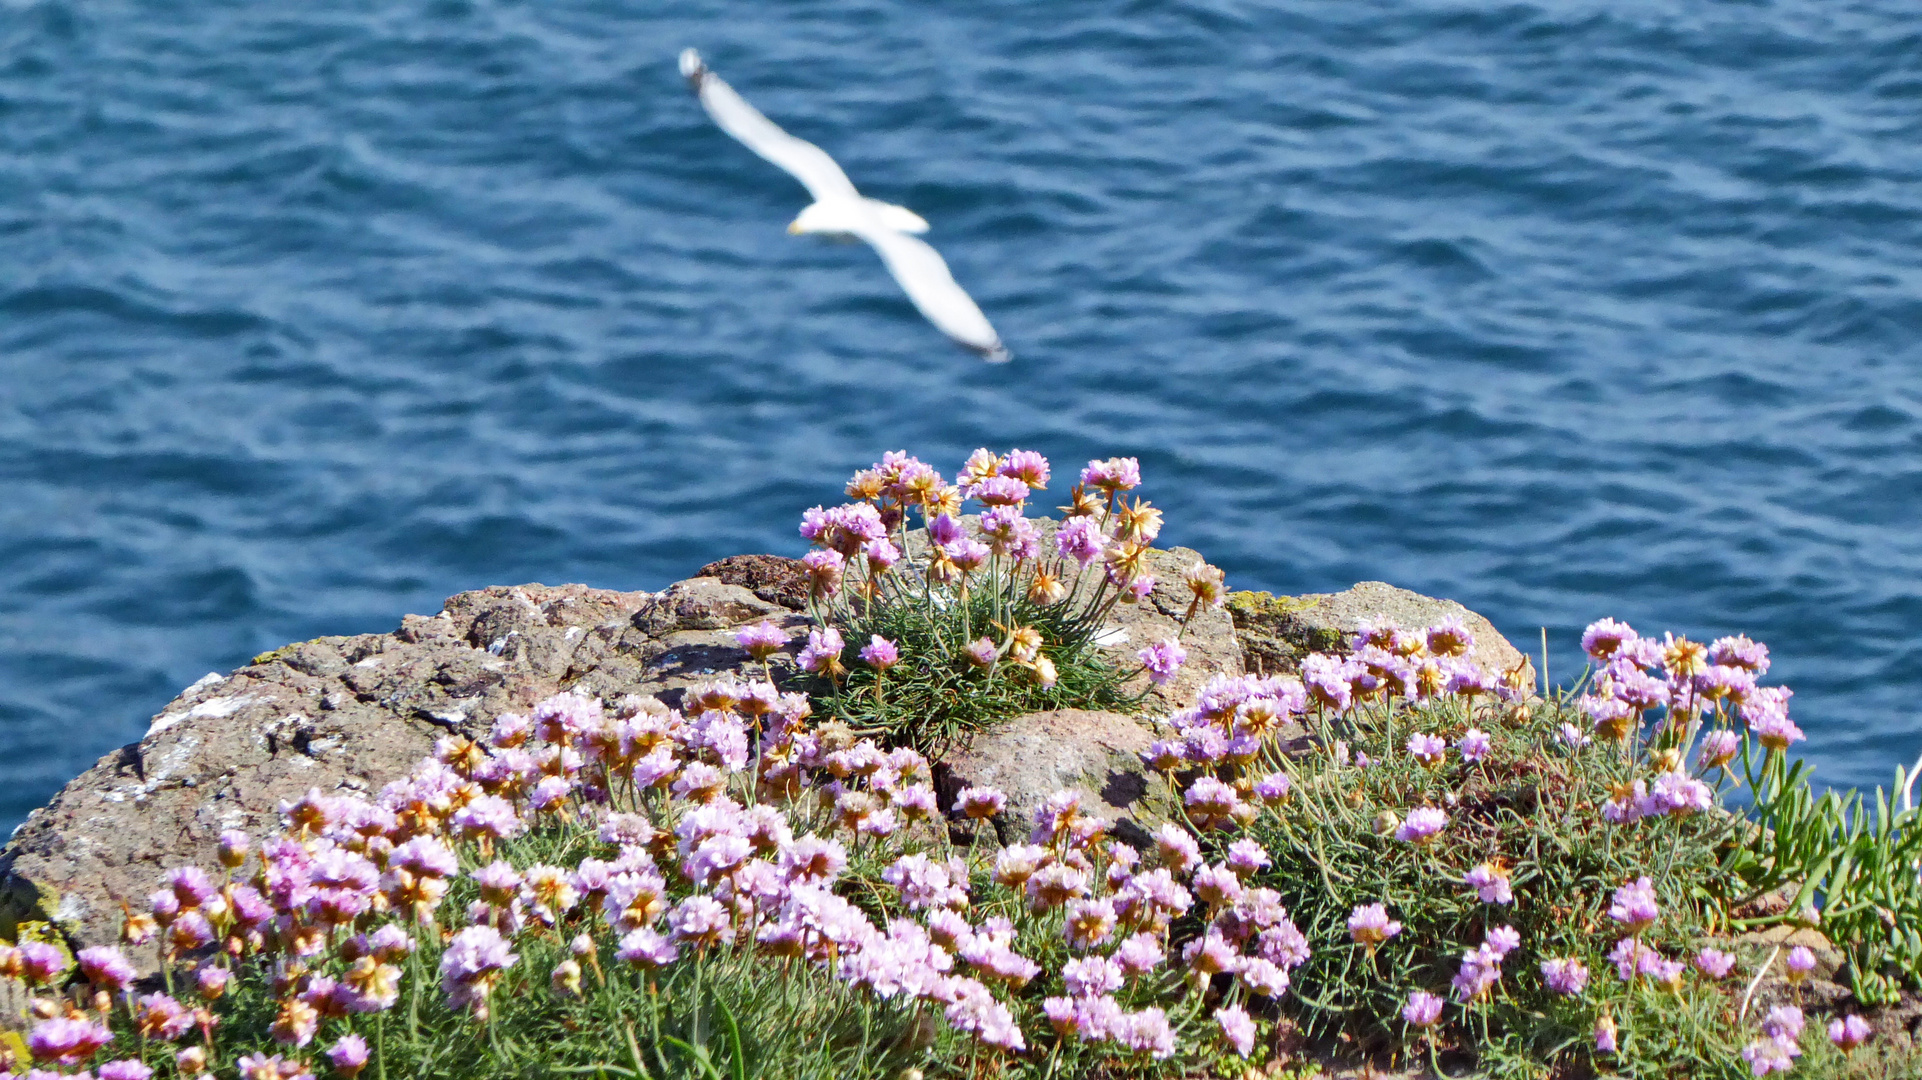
(841, 211)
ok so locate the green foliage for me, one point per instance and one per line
(1858, 870)
(935, 696)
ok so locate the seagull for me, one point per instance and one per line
(839, 210)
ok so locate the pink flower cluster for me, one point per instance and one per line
(857, 546)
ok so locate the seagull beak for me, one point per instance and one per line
(794, 228)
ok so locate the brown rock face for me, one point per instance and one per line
(1276, 632)
(1034, 756)
(349, 714)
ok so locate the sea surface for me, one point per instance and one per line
(314, 314)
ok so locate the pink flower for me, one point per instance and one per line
(823, 651)
(1427, 748)
(1565, 976)
(980, 802)
(1714, 963)
(1634, 905)
(1246, 856)
(1800, 962)
(1783, 1022)
(1765, 1056)
(1162, 660)
(67, 1042)
(646, 948)
(1139, 954)
(880, 653)
(1113, 475)
(1490, 882)
(1601, 639)
(126, 1069)
(761, 640)
(1605, 1034)
(1238, 1028)
(105, 968)
(1423, 1009)
(349, 1055)
(1719, 747)
(1474, 745)
(1370, 925)
(1421, 825)
(1849, 1032)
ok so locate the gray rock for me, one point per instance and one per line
(347, 714)
(1276, 632)
(1035, 755)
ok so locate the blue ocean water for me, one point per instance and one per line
(311, 315)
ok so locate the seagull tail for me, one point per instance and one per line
(692, 69)
(995, 354)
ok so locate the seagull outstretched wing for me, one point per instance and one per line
(923, 274)
(801, 159)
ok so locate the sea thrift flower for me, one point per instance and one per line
(1714, 963)
(1783, 1022)
(1139, 954)
(1474, 745)
(1273, 788)
(41, 963)
(106, 968)
(212, 982)
(1211, 803)
(1490, 882)
(1237, 1028)
(761, 640)
(1765, 1056)
(1849, 1032)
(1080, 539)
(67, 1042)
(349, 1055)
(1428, 748)
(1565, 976)
(980, 802)
(1162, 660)
(472, 964)
(126, 1069)
(1421, 825)
(1245, 857)
(1369, 925)
(1573, 737)
(1800, 962)
(1634, 905)
(1423, 1009)
(981, 652)
(1603, 638)
(880, 653)
(1605, 1042)
(1113, 475)
(646, 948)
(823, 653)
(1091, 976)
(1718, 748)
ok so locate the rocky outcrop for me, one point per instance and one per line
(352, 713)
(1033, 756)
(1277, 631)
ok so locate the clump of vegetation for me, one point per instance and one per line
(928, 637)
(1392, 845)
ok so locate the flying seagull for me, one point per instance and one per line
(840, 210)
